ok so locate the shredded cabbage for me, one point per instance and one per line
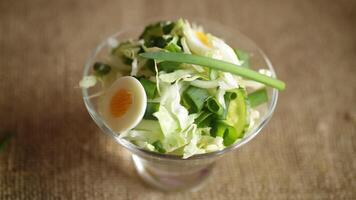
(174, 76)
(88, 81)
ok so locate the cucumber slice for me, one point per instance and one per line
(238, 115)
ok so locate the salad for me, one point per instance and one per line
(179, 90)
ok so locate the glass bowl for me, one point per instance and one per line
(171, 172)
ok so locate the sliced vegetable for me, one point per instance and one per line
(150, 87)
(228, 97)
(258, 97)
(230, 136)
(237, 114)
(194, 98)
(215, 64)
(224, 130)
(151, 108)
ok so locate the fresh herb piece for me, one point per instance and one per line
(224, 130)
(5, 140)
(159, 147)
(156, 41)
(194, 98)
(150, 87)
(214, 106)
(157, 29)
(168, 27)
(151, 30)
(168, 66)
(101, 69)
(258, 97)
(151, 108)
(216, 64)
(243, 56)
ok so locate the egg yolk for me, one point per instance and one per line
(203, 38)
(120, 103)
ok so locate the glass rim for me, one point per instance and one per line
(137, 150)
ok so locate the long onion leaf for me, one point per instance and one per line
(215, 64)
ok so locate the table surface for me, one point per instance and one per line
(307, 151)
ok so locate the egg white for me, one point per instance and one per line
(135, 112)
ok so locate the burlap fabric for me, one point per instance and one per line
(306, 152)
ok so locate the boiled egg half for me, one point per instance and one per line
(205, 44)
(124, 104)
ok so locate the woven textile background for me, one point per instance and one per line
(307, 151)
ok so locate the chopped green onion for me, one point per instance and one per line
(243, 57)
(224, 130)
(156, 41)
(168, 66)
(152, 30)
(215, 64)
(204, 119)
(214, 106)
(101, 69)
(194, 98)
(150, 87)
(258, 97)
(151, 108)
(230, 136)
(157, 29)
(159, 147)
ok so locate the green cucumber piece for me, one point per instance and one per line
(237, 115)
